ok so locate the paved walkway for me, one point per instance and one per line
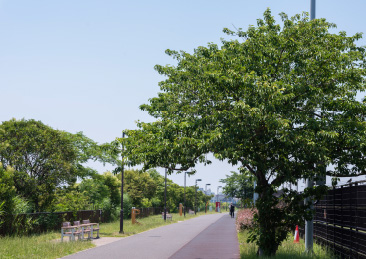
(210, 236)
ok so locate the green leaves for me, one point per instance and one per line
(44, 158)
(282, 104)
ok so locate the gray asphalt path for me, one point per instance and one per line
(173, 240)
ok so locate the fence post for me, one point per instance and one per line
(342, 223)
(350, 218)
(334, 218)
(356, 217)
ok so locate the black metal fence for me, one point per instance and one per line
(340, 220)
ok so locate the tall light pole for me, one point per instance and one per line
(165, 195)
(206, 194)
(195, 202)
(206, 188)
(122, 180)
(309, 182)
(185, 174)
(217, 196)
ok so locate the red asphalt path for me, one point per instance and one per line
(209, 236)
(219, 240)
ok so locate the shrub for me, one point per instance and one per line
(244, 219)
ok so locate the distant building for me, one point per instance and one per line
(223, 198)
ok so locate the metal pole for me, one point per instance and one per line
(185, 173)
(195, 209)
(217, 200)
(195, 200)
(217, 195)
(122, 180)
(312, 9)
(165, 196)
(309, 225)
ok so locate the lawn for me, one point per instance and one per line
(288, 250)
(49, 246)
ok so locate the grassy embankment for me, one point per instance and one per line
(49, 246)
(288, 250)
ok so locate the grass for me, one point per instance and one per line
(39, 246)
(286, 251)
(49, 246)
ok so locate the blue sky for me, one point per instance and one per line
(87, 65)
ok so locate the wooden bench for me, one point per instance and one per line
(168, 216)
(91, 227)
(84, 229)
(190, 212)
(70, 231)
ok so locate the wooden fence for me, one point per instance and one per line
(43, 221)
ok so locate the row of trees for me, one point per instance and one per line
(40, 166)
(279, 101)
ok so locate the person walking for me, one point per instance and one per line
(232, 209)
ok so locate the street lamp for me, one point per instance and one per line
(217, 199)
(206, 188)
(195, 203)
(165, 195)
(309, 231)
(206, 194)
(122, 180)
(185, 174)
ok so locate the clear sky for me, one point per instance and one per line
(87, 65)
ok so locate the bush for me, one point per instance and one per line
(127, 206)
(244, 219)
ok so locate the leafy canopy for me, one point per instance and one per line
(279, 101)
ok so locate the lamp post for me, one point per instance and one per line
(206, 188)
(165, 196)
(309, 182)
(206, 194)
(122, 180)
(195, 203)
(185, 174)
(217, 197)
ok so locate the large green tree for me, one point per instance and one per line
(279, 101)
(44, 158)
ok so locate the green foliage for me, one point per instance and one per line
(138, 185)
(114, 188)
(44, 158)
(71, 200)
(239, 185)
(279, 101)
(21, 205)
(127, 206)
(7, 190)
(95, 190)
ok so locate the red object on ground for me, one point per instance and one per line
(296, 237)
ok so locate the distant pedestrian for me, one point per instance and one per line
(232, 209)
